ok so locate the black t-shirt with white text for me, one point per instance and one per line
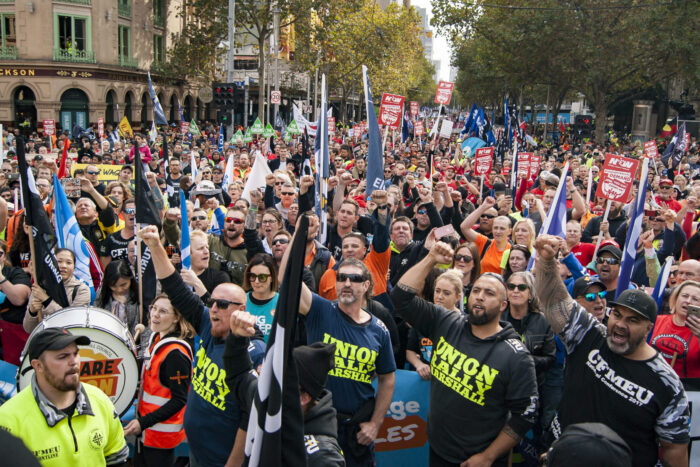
(115, 246)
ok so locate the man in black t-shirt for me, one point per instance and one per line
(612, 375)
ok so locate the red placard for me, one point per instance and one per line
(331, 124)
(535, 160)
(391, 110)
(184, 127)
(616, 178)
(418, 128)
(524, 164)
(415, 108)
(444, 92)
(483, 161)
(101, 127)
(49, 127)
(650, 149)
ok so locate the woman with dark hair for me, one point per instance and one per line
(41, 305)
(260, 281)
(519, 257)
(165, 380)
(467, 260)
(14, 296)
(20, 253)
(119, 293)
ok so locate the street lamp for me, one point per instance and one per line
(276, 25)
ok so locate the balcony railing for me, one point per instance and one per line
(128, 62)
(80, 2)
(8, 53)
(124, 9)
(70, 55)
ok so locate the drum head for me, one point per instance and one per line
(109, 362)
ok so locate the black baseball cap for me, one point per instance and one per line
(638, 301)
(585, 444)
(612, 249)
(53, 339)
(583, 283)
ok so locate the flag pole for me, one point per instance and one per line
(139, 244)
(386, 134)
(600, 236)
(589, 188)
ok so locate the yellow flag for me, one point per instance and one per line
(125, 128)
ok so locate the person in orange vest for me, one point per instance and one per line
(165, 380)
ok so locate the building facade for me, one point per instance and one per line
(74, 61)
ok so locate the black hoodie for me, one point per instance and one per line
(476, 385)
(320, 423)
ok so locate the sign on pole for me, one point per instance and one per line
(650, 149)
(415, 108)
(524, 164)
(444, 92)
(331, 125)
(184, 127)
(535, 160)
(101, 127)
(483, 160)
(276, 97)
(418, 128)
(49, 127)
(446, 128)
(616, 178)
(391, 110)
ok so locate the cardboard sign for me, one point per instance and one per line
(49, 127)
(415, 108)
(391, 110)
(446, 128)
(535, 160)
(101, 127)
(650, 149)
(483, 160)
(444, 92)
(524, 164)
(418, 128)
(616, 178)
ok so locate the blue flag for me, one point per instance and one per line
(634, 230)
(221, 139)
(406, 127)
(470, 121)
(322, 163)
(660, 287)
(184, 234)
(506, 120)
(676, 148)
(555, 222)
(375, 161)
(68, 235)
(179, 110)
(158, 114)
(470, 145)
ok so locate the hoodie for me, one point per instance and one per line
(477, 386)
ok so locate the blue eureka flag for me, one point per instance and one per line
(555, 222)
(158, 114)
(184, 234)
(375, 161)
(322, 163)
(221, 139)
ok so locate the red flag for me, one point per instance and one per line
(62, 168)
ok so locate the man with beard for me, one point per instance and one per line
(60, 420)
(363, 349)
(227, 250)
(480, 369)
(212, 416)
(612, 375)
(616, 218)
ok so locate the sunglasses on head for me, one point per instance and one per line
(235, 220)
(354, 278)
(610, 261)
(280, 241)
(520, 287)
(223, 303)
(590, 297)
(464, 258)
(258, 277)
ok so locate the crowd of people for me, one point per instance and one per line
(521, 335)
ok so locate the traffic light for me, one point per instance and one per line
(584, 124)
(224, 96)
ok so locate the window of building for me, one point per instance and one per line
(158, 49)
(8, 37)
(159, 13)
(73, 33)
(124, 41)
(124, 8)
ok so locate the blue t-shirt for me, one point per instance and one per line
(212, 415)
(262, 312)
(361, 351)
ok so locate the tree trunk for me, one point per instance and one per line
(601, 116)
(343, 105)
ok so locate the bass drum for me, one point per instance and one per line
(109, 362)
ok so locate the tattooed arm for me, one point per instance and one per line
(551, 290)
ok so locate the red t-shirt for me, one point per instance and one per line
(671, 203)
(583, 253)
(669, 339)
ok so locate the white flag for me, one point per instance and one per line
(256, 178)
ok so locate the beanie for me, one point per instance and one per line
(313, 364)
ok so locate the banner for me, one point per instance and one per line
(524, 164)
(535, 160)
(650, 149)
(444, 92)
(403, 439)
(391, 110)
(331, 125)
(616, 178)
(101, 127)
(49, 127)
(108, 173)
(446, 128)
(184, 126)
(415, 108)
(418, 129)
(483, 161)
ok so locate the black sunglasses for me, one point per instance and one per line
(610, 261)
(464, 258)
(199, 218)
(520, 287)
(223, 303)
(354, 278)
(280, 241)
(488, 216)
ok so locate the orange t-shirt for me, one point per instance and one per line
(310, 257)
(378, 265)
(491, 260)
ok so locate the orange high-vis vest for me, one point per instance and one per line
(169, 433)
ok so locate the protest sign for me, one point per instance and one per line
(444, 92)
(616, 178)
(101, 127)
(446, 128)
(650, 149)
(49, 127)
(415, 108)
(184, 127)
(108, 173)
(483, 161)
(524, 164)
(418, 128)
(535, 160)
(391, 110)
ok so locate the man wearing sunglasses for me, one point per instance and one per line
(590, 293)
(608, 266)
(212, 415)
(227, 250)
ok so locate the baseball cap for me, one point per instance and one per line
(583, 283)
(585, 444)
(666, 181)
(612, 249)
(53, 339)
(638, 301)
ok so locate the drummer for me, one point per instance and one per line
(60, 420)
(77, 292)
